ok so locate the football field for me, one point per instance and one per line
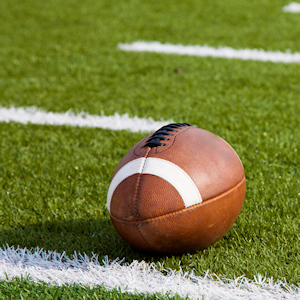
(81, 82)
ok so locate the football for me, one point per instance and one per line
(178, 190)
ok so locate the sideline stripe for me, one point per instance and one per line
(293, 7)
(164, 169)
(206, 51)
(34, 115)
(138, 277)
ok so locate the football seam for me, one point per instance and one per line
(156, 150)
(138, 146)
(143, 238)
(135, 202)
(182, 210)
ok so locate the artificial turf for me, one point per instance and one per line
(25, 289)
(63, 55)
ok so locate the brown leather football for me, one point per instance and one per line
(178, 190)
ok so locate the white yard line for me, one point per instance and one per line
(293, 7)
(33, 115)
(58, 269)
(206, 51)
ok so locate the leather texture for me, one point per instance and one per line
(187, 230)
(149, 213)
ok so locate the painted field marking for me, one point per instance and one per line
(58, 269)
(138, 277)
(206, 51)
(34, 115)
(293, 7)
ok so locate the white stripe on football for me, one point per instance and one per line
(164, 169)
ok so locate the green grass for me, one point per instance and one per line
(22, 289)
(63, 55)
(70, 49)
